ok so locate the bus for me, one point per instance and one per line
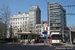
(55, 38)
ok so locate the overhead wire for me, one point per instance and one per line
(46, 1)
(71, 14)
(73, 8)
(63, 2)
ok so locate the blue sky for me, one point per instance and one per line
(24, 6)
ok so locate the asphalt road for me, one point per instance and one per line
(24, 47)
(32, 47)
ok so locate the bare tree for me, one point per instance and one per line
(5, 15)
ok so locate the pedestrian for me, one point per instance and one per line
(48, 40)
(29, 41)
(33, 40)
(44, 41)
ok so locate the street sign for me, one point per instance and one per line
(45, 32)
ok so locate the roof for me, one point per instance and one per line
(26, 33)
(44, 22)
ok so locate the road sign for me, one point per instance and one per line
(45, 32)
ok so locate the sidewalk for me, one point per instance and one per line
(68, 44)
(37, 44)
(13, 43)
(42, 44)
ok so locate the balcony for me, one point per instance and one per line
(54, 11)
(54, 30)
(30, 26)
(55, 21)
(54, 7)
(56, 26)
(55, 15)
(55, 18)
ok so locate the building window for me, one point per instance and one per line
(20, 19)
(23, 15)
(43, 29)
(58, 20)
(32, 12)
(31, 18)
(36, 27)
(46, 28)
(16, 19)
(18, 22)
(40, 30)
(23, 18)
(23, 22)
(54, 9)
(31, 15)
(26, 18)
(23, 25)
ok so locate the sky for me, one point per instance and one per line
(24, 5)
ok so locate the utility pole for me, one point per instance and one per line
(70, 36)
(63, 34)
(49, 18)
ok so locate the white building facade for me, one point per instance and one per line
(19, 22)
(43, 27)
(26, 22)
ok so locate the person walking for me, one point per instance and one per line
(29, 41)
(44, 41)
(33, 40)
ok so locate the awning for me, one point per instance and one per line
(27, 33)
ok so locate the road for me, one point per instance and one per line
(38, 46)
(24, 47)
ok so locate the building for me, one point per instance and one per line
(2, 29)
(38, 29)
(72, 28)
(34, 18)
(43, 27)
(70, 34)
(19, 22)
(56, 18)
(25, 22)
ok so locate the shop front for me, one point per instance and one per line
(22, 36)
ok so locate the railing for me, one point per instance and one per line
(55, 21)
(55, 18)
(55, 25)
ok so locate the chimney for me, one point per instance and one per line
(18, 12)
